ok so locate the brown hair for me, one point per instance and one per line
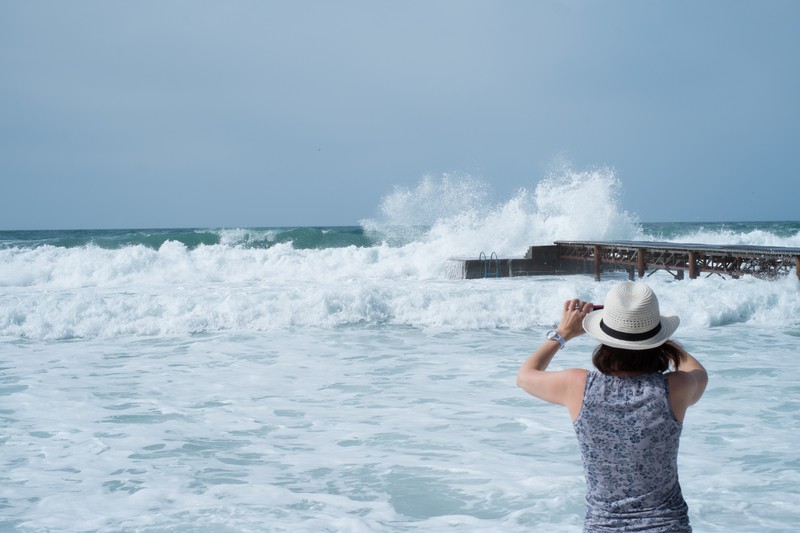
(608, 359)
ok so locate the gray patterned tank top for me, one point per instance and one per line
(628, 436)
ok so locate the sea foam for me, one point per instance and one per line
(263, 280)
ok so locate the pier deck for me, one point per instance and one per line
(640, 258)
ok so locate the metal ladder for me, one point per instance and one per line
(488, 263)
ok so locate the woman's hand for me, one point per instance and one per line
(572, 315)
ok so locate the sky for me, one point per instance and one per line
(239, 113)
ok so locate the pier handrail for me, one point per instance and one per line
(734, 260)
(662, 245)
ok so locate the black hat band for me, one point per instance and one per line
(622, 336)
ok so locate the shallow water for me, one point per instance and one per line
(360, 429)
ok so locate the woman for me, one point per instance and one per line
(627, 415)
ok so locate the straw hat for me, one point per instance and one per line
(630, 319)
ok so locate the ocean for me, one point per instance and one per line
(341, 379)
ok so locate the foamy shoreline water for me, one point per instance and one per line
(360, 429)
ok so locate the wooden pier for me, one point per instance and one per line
(639, 258)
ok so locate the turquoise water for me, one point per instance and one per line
(303, 238)
(335, 379)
